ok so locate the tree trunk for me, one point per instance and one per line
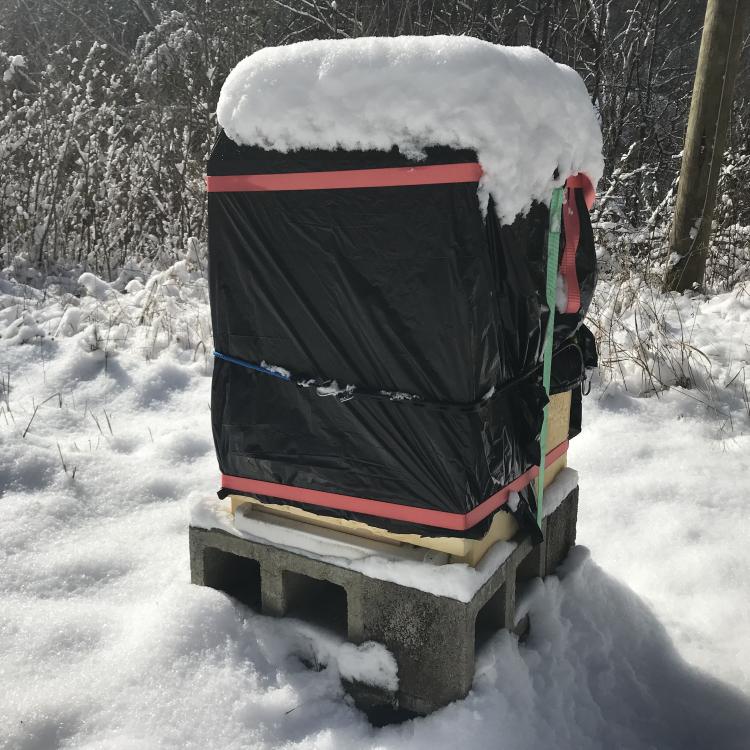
(718, 61)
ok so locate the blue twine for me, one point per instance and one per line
(251, 366)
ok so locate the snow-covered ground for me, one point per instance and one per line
(643, 641)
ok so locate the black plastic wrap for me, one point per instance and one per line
(397, 289)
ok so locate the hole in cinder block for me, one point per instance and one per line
(490, 619)
(532, 566)
(319, 602)
(237, 576)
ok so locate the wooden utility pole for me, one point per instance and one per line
(705, 139)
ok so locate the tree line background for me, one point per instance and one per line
(107, 115)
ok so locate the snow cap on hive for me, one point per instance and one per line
(525, 115)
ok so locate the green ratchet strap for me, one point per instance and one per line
(553, 251)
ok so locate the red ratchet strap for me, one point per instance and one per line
(383, 509)
(572, 224)
(349, 178)
(581, 181)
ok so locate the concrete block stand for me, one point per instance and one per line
(433, 638)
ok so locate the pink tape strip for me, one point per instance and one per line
(350, 178)
(384, 509)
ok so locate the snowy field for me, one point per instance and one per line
(643, 641)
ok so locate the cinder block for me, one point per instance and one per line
(433, 638)
(560, 531)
